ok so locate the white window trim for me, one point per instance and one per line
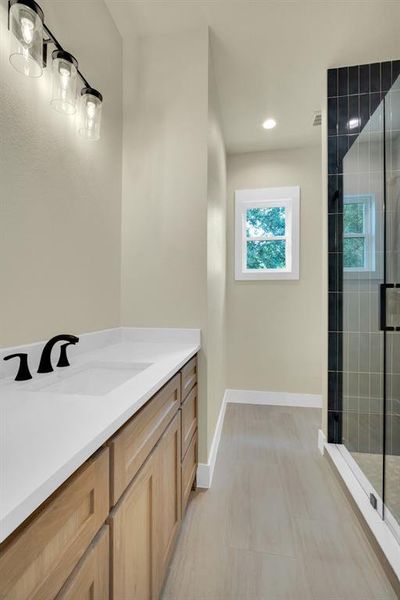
(370, 270)
(268, 198)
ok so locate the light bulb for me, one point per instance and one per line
(26, 39)
(90, 109)
(27, 29)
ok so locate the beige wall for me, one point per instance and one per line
(274, 328)
(164, 205)
(216, 258)
(60, 195)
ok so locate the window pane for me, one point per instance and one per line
(353, 220)
(265, 221)
(266, 255)
(354, 253)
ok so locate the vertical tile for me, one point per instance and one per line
(343, 81)
(334, 427)
(332, 82)
(332, 233)
(375, 77)
(364, 79)
(333, 272)
(333, 193)
(395, 70)
(374, 101)
(343, 146)
(332, 116)
(353, 80)
(364, 109)
(332, 351)
(333, 311)
(343, 114)
(333, 397)
(332, 155)
(386, 75)
(354, 115)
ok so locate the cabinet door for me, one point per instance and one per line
(35, 563)
(89, 581)
(168, 513)
(133, 540)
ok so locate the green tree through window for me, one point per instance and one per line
(267, 224)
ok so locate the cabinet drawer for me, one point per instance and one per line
(133, 444)
(189, 376)
(90, 579)
(189, 419)
(35, 563)
(189, 466)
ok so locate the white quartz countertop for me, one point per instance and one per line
(46, 435)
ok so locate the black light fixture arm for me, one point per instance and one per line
(53, 40)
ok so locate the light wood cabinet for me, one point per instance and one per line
(189, 376)
(133, 538)
(37, 560)
(133, 443)
(90, 579)
(168, 511)
(189, 467)
(189, 419)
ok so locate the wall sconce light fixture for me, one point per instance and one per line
(28, 55)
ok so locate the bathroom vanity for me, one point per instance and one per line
(109, 530)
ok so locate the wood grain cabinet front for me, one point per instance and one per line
(189, 467)
(168, 510)
(36, 561)
(90, 578)
(134, 540)
(133, 443)
(189, 376)
(189, 419)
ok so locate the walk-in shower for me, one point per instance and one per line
(364, 277)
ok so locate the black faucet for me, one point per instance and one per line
(23, 371)
(45, 360)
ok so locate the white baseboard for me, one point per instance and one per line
(274, 398)
(381, 531)
(205, 471)
(321, 441)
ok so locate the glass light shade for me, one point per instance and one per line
(65, 76)
(90, 114)
(26, 39)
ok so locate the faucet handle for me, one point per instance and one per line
(63, 360)
(23, 371)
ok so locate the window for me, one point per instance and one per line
(267, 233)
(359, 234)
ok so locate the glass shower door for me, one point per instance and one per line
(363, 274)
(391, 310)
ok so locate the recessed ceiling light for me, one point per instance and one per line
(269, 124)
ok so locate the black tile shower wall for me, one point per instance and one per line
(354, 93)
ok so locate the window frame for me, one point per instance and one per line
(368, 202)
(288, 197)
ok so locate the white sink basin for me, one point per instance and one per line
(92, 379)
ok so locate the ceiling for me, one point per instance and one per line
(271, 57)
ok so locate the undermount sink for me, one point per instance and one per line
(92, 379)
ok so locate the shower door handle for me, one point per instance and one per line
(395, 289)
